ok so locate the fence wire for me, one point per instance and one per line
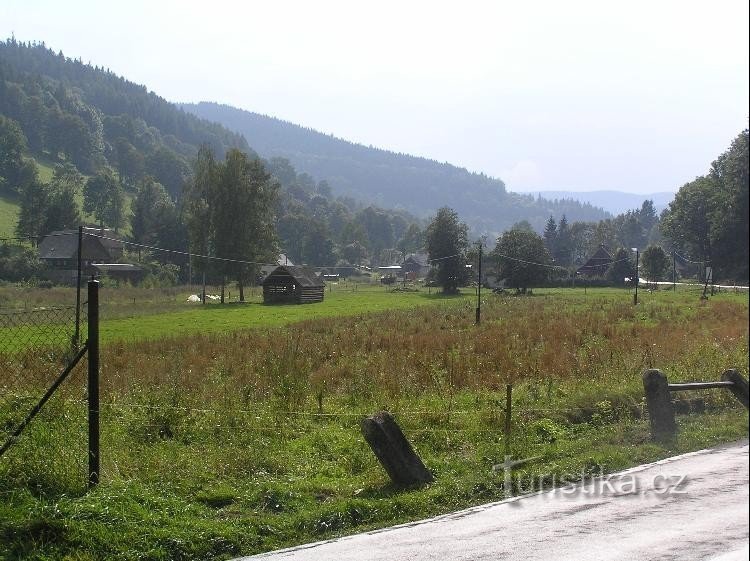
(50, 454)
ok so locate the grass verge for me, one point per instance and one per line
(243, 440)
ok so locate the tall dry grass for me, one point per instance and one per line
(434, 351)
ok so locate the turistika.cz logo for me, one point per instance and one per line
(588, 483)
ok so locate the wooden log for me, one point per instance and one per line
(394, 452)
(699, 386)
(739, 385)
(660, 408)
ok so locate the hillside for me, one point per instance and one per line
(389, 179)
(87, 115)
(56, 111)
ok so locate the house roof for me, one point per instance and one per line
(63, 244)
(116, 267)
(284, 260)
(421, 259)
(600, 259)
(304, 276)
(105, 236)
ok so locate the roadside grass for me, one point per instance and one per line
(246, 438)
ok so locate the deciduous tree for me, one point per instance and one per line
(654, 262)
(104, 198)
(522, 259)
(447, 240)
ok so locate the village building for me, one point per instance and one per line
(292, 285)
(416, 266)
(389, 273)
(597, 264)
(59, 252)
(119, 271)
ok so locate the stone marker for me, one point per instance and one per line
(659, 403)
(395, 453)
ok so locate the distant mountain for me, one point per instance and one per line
(390, 179)
(615, 202)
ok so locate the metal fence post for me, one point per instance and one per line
(660, 408)
(77, 336)
(93, 381)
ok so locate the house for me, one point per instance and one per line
(416, 265)
(292, 285)
(597, 264)
(390, 272)
(59, 251)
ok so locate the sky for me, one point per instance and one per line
(576, 95)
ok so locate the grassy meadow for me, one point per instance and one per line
(234, 429)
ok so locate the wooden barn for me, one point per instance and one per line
(597, 264)
(292, 285)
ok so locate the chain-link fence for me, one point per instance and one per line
(36, 346)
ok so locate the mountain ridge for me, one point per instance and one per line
(613, 201)
(387, 178)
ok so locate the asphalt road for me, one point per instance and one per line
(688, 507)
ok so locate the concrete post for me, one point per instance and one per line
(393, 451)
(660, 408)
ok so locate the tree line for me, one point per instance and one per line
(705, 225)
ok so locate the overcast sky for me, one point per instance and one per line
(636, 96)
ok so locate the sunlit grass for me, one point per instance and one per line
(242, 434)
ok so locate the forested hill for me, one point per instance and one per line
(389, 179)
(93, 117)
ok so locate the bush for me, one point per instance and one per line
(19, 263)
(160, 275)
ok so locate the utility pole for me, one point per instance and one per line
(674, 271)
(479, 286)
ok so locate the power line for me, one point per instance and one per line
(688, 260)
(178, 252)
(443, 258)
(531, 262)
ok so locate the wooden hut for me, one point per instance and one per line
(597, 264)
(292, 285)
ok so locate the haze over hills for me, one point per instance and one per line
(390, 179)
(614, 202)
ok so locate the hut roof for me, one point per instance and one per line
(304, 276)
(597, 262)
(63, 244)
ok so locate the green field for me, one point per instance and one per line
(234, 429)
